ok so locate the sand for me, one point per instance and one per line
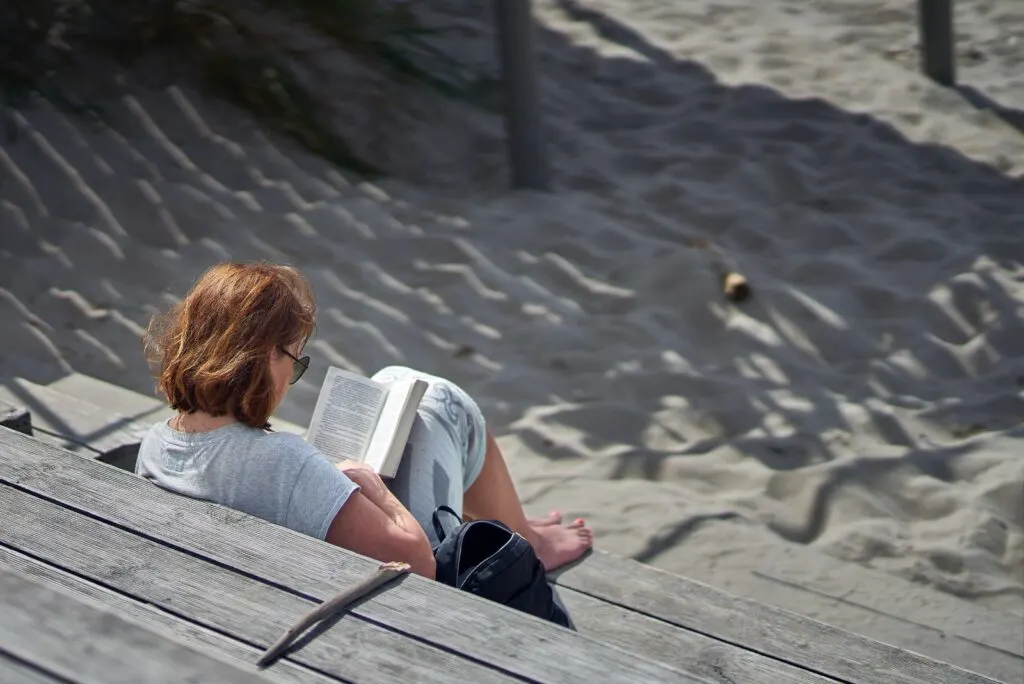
(864, 405)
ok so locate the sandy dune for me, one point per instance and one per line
(866, 402)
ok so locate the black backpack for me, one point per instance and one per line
(486, 558)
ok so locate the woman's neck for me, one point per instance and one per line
(199, 421)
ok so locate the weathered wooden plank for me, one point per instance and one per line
(877, 604)
(314, 568)
(431, 613)
(82, 643)
(678, 647)
(943, 627)
(155, 617)
(745, 622)
(71, 423)
(141, 408)
(15, 672)
(94, 418)
(217, 598)
(938, 60)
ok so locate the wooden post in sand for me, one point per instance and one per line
(935, 18)
(514, 19)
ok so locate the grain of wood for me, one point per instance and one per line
(75, 425)
(14, 672)
(778, 633)
(678, 647)
(217, 598)
(331, 607)
(156, 617)
(426, 611)
(82, 643)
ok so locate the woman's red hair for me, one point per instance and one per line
(211, 352)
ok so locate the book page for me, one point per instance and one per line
(346, 414)
(386, 447)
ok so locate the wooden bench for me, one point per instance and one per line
(228, 583)
(225, 579)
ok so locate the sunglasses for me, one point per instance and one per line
(299, 366)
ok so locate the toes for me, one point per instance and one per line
(552, 518)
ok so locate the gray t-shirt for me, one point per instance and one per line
(276, 476)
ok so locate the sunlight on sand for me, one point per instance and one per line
(865, 403)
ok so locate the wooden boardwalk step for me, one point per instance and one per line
(145, 409)
(224, 571)
(154, 617)
(16, 672)
(680, 648)
(92, 417)
(71, 423)
(47, 635)
(141, 407)
(791, 638)
(855, 598)
(241, 576)
(215, 598)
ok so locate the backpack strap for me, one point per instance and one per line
(438, 527)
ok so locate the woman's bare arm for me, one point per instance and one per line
(374, 523)
(374, 489)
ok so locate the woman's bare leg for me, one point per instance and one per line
(493, 495)
(452, 459)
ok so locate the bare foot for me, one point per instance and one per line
(558, 544)
(552, 518)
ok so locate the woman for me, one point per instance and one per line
(225, 358)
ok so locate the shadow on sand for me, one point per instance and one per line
(175, 183)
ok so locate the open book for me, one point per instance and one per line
(357, 419)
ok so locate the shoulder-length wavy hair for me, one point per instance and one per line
(211, 352)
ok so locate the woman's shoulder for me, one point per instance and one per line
(282, 436)
(285, 440)
(235, 434)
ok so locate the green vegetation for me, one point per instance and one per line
(40, 39)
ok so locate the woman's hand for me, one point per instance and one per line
(369, 482)
(374, 523)
(360, 473)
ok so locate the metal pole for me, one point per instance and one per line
(935, 18)
(514, 19)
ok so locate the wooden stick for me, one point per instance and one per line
(385, 573)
